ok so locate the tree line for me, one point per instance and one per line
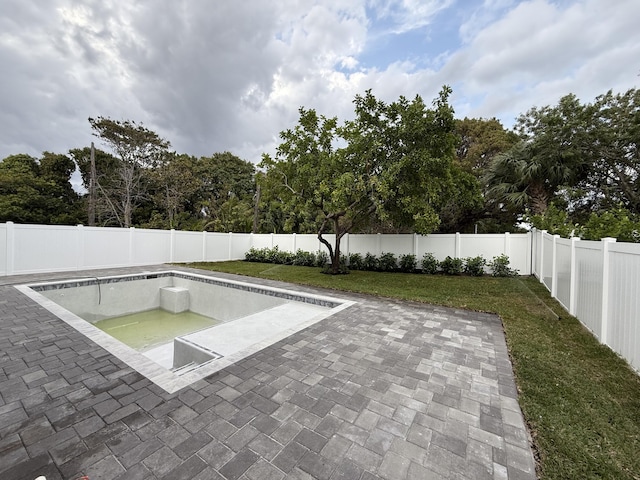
(404, 166)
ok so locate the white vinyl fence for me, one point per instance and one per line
(598, 282)
(49, 248)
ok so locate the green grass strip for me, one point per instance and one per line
(581, 401)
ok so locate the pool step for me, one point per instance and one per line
(185, 368)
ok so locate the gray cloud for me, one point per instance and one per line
(230, 75)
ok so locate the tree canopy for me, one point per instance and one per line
(38, 190)
(403, 166)
(391, 163)
(137, 150)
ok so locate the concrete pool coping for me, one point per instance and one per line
(385, 389)
(228, 342)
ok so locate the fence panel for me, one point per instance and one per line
(240, 244)
(45, 248)
(364, 243)
(217, 246)
(547, 260)
(262, 240)
(104, 247)
(536, 249)
(398, 244)
(519, 252)
(187, 246)
(441, 246)
(308, 242)
(150, 246)
(623, 332)
(284, 242)
(563, 271)
(488, 246)
(589, 285)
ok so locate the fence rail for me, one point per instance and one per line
(597, 282)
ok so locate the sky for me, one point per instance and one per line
(221, 75)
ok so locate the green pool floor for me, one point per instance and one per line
(145, 330)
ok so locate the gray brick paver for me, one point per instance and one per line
(386, 389)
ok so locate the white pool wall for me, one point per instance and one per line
(224, 303)
(111, 298)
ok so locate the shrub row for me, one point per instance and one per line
(473, 266)
(275, 255)
(387, 262)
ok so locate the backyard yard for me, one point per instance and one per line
(580, 400)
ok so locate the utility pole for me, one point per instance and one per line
(92, 189)
(256, 198)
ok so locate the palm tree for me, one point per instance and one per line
(527, 176)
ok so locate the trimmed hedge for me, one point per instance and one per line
(387, 262)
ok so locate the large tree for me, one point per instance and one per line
(106, 172)
(138, 149)
(225, 192)
(553, 153)
(172, 184)
(615, 151)
(391, 163)
(38, 191)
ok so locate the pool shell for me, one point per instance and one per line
(253, 317)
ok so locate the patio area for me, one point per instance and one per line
(384, 389)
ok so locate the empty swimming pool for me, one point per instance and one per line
(175, 327)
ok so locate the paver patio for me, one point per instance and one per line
(384, 389)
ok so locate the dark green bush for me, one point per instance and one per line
(282, 258)
(356, 262)
(429, 264)
(304, 259)
(255, 255)
(500, 267)
(474, 266)
(370, 262)
(451, 266)
(387, 262)
(322, 258)
(408, 263)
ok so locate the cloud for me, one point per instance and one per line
(230, 75)
(539, 51)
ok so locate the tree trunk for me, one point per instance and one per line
(539, 199)
(334, 251)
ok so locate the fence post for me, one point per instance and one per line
(541, 259)
(507, 244)
(294, 242)
(379, 244)
(230, 245)
(204, 246)
(529, 253)
(11, 248)
(415, 245)
(554, 267)
(572, 282)
(604, 324)
(457, 247)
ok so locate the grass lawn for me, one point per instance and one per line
(580, 400)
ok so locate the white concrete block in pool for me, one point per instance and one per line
(174, 299)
